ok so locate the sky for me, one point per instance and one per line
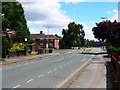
(57, 14)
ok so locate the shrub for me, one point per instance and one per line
(19, 47)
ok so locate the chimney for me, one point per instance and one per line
(41, 32)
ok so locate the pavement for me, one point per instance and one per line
(95, 75)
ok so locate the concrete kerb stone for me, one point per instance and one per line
(72, 77)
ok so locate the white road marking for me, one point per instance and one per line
(67, 63)
(16, 86)
(40, 76)
(26, 63)
(29, 80)
(58, 60)
(84, 59)
(55, 69)
(32, 62)
(49, 72)
(17, 65)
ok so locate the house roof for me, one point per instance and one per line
(37, 36)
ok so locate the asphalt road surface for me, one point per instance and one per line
(45, 73)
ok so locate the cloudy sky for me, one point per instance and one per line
(56, 14)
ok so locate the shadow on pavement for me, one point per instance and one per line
(94, 53)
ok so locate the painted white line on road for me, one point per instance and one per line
(18, 65)
(84, 59)
(16, 86)
(29, 80)
(67, 63)
(55, 69)
(26, 63)
(32, 62)
(40, 76)
(49, 72)
(58, 60)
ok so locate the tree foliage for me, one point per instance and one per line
(6, 44)
(13, 18)
(109, 31)
(74, 35)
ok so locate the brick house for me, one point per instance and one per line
(42, 40)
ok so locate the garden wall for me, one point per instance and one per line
(16, 53)
(116, 65)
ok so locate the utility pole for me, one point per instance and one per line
(104, 18)
(106, 22)
(48, 37)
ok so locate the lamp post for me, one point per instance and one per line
(48, 38)
(106, 22)
(104, 18)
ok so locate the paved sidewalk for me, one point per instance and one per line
(94, 75)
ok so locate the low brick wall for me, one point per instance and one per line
(12, 54)
(16, 53)
(116, 65)
(118, 71)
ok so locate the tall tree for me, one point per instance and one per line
(109, 31)
(74, 35)
(13, 18)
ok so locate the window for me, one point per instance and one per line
(51, 45)
(41, 44)
(41, 39)
(51, 40)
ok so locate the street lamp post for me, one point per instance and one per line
(48, 38)
(106, 22)
(104, 18)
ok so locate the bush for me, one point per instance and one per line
(6, 44)
(111, 49)
(19, 47)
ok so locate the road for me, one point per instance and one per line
(46, 73)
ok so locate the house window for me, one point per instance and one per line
(51, 40)
(41, 39)
(41, 44)
(51, 45)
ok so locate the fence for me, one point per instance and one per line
(116, 65)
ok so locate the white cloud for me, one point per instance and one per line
(70, 1)
(108, 12)
(116, 11)
(115, 17)
(91, 22)
(44, 14)
(33, 31)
